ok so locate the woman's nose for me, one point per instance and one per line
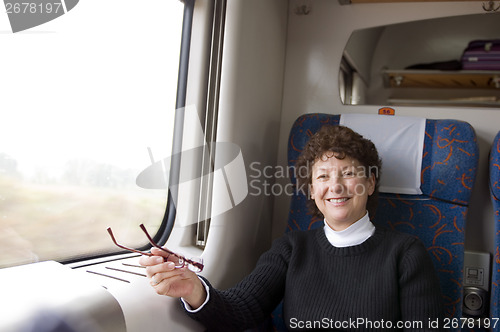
(336, 185)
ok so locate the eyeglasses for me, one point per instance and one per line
(194, 264)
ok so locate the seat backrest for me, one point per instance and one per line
(437, 216)
(495, 198)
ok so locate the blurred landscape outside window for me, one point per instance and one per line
(87, 103)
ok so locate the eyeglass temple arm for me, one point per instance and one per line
(153, 243)
(124, 247)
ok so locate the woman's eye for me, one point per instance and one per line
(348, 174)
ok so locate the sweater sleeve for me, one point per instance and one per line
(252, 300)
(420, 293)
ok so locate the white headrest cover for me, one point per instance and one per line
(400, 143)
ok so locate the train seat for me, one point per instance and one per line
(436, 215)
(495, 197)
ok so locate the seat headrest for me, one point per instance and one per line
(449, 158)
(400, 143)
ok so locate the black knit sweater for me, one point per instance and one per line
(386, 281)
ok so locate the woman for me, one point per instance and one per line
(348, 275)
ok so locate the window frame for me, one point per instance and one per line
(168, 222)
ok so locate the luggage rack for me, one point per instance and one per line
(472, 101)
(465, 79)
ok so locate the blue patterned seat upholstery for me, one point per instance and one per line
(437, 216)
(495, 197)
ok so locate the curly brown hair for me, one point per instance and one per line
(342, 142)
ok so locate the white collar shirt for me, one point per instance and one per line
(353, 235)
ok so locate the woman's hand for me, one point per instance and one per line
(171, 281)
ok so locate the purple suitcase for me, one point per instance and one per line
(482, 55)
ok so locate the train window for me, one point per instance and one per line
(420, 63)
(88, 102)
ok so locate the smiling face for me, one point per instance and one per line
(340, 189)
